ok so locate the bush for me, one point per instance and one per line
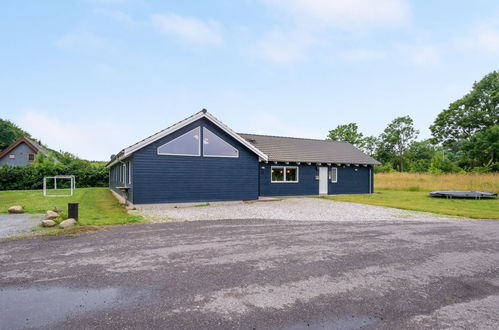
(28, 177)
(385, 168)
(442, 164)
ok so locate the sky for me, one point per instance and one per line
(94, 76)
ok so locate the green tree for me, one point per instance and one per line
(419, 156)
(370, 145)
(397, 137)
(477, 110)
(483, 148)
(9, 133)
(348, 133)
(442, 164)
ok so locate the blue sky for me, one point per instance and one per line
(94, 76)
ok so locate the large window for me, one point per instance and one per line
(214, 146)
(334, 174)
(187, 144)
(281, 174)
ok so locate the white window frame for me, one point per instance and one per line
(285, 168)
(219, 156)
(12, 156)
(178, 137)
(334, 178)
(29, 154)
(129, 172)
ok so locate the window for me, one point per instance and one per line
(284, 174)
(129, 172)
(214, 146)
(31, 156)
(187, 144)
(334, 174)
(12, 156)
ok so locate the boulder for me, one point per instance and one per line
(67, 223)
(48, 223)
(16, 209)
(51, 215)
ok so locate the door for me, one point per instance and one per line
(323, 181)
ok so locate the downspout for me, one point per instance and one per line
(370, 180)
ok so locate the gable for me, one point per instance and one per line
(20, 143)
(205, 115)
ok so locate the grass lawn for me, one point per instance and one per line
(97, 206)
(420, 201)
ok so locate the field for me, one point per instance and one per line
(410, 191)
(97, 206)
(427, 182)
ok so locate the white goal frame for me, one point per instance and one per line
(72, 187)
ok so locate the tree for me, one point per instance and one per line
(348, 133)
(398, 136)
(370, 145)
(477, 110)
(9, 133)
(419, 156)
(483, 148)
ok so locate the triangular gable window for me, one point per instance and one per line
(214, 146)
(187, 144)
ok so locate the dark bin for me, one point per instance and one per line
(73, 211)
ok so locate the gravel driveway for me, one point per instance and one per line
(16, 224)
(309, 209)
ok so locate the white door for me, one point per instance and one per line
(322, 180)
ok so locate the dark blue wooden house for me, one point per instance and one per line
(201, 159)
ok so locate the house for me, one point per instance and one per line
(201, 159)
(21, 152)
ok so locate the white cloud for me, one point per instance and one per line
(188, 29)
(347, 15)
(82, 41)
(93, 140)
(484, 38)
(283, 48)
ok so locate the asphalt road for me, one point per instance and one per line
(256, 274)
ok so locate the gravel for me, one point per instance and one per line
(298, 209)
(16, 224)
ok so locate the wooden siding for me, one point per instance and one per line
(161, 178)
(306, 185)
(115, 182)
(351, 180)
(21, 152)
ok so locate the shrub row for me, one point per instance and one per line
(31, 176)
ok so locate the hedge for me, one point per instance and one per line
(28, 177)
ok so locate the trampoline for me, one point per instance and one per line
(462, 194)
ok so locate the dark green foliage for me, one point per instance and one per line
(397, 137)
(31, 176)
(482, 149)
(348, 133)
(9, 133)
(476, 111)
(419, 156)
(442, 164)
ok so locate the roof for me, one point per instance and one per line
(30, 143)
(291, 149)
(201, 114)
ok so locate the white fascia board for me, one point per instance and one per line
(130, 150)
(236, 136)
